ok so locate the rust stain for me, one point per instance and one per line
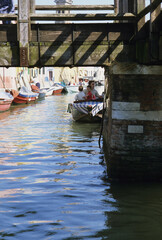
(24, 57)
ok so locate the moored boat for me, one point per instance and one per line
(86, 111)
(5, 100)
(72, 88)
(25, 96)
(54, 89)
(36, 89)
(41, 95)
(57, 88)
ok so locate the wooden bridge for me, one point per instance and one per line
(127, 38)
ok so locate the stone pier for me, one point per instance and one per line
(133, 121)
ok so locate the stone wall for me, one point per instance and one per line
(133, 122)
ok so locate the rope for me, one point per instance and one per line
(103, 113)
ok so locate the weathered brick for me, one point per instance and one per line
(134, 154)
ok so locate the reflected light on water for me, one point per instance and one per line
(53, 185)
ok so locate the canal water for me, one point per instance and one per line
(53, 181)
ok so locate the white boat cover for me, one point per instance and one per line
(5, 95)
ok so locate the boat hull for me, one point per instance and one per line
(57, 91)
(52, 91)
(5, 105)
(24, 100)
(86, 118)
(86, 112)
(41, 95)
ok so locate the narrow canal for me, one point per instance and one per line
(53, 182)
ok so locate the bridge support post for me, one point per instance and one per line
(116, 6)
(154, 32)
(140, 5)
(32, 8)
(23, 31)
(133, 121)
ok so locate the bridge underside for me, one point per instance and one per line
(133, 97)
(68, 45)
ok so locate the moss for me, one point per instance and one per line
(9, 54)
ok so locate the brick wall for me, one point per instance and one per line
(133, 143)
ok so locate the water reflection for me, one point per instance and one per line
(53, 185)
(85, 129)
(134, 211)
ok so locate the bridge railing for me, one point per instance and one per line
(32, 16)
(25, 18)
(70, 16)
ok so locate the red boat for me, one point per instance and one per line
(20, 100)
(57, 89)
(25, 96)
(5, 100)
(5, 104)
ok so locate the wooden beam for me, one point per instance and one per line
(32, 6)
(154, 31)
(7, 16)
(116, 6)
(140, 7)
(82, 17)
(125, 6)
(155, 13)
(72, 7)
(147, 9)
(23, 31)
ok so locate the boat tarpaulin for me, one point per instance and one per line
(83, 107)
(97, 109)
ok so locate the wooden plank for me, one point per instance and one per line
(64, 54)
(62, 32)
(111, 27)
(141, 21)
(55, 33)
(8, 16)
(88, 34)
(154, 32)
(9, 55)
(82, 33)
(82, 17)
(8, 33)
(155, 13)
(72, 7)
(91, 55)
(50, 55)
(32, 7)
(116, 6)
(147, 9)
(120, 36)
